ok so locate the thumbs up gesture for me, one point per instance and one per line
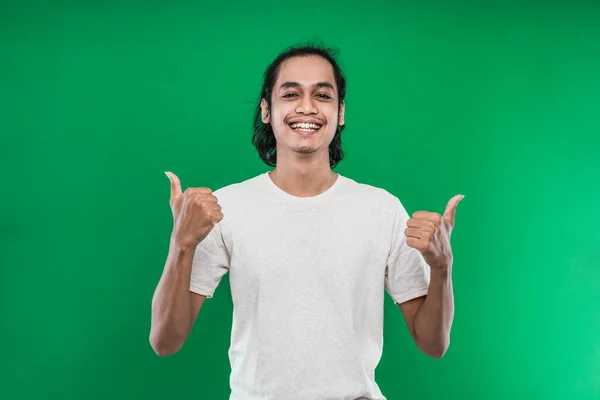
(429, 233)
(195, 213)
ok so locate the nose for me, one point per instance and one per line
(307, 106)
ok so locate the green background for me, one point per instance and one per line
(498, 101)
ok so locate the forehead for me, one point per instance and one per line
(306, 71)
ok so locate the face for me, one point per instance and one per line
(304, 111)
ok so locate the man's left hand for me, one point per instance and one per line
(429, 233)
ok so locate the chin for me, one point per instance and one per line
(304, 150)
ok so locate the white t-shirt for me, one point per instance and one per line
(307, 277)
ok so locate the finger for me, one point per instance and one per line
(451, 208)
(429, 216)
(199, 190)
(415, 233)
(209, 201)
(204, 198)
(175, 185)
(421, 223)
(218, 215)
(415, 243)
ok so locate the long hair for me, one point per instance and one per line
(264, 138)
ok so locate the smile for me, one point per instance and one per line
(305, 127)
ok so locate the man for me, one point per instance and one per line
(309, 253)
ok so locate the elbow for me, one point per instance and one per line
(435, 350)
(162, 351)
(163, 347)
(437, 354)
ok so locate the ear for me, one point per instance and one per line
(341, 116)
(266, 116)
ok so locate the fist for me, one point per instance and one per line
(195, 213)
(429, 232)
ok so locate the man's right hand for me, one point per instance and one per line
(195, 213)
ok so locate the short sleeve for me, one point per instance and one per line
(407, 275)
(211, 262)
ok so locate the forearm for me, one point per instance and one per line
(171, 316)
(433, 320)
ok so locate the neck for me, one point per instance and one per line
(303, 179)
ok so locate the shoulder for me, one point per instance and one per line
(239, 191)
(377, 196)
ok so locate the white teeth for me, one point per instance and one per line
(303, 125)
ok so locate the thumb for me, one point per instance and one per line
(451, 208)
(175, 185)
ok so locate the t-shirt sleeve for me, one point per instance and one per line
(407, 275)
(211, 262)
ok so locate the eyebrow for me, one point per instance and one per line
(286, 85)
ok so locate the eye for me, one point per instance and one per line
(323, 96)
(289, 95)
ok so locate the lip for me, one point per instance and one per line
(306, 121)
(300, 133)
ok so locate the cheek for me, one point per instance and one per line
(333, 117)
(278, 121)
(278, 118)
(278, 113)
(333, 110)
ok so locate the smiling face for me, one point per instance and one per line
(304, 111)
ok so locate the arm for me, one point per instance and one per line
(429, 318)
(174, 307)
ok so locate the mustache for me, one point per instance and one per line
(321, 121)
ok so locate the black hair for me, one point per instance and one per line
(264, 138)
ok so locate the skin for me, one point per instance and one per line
(303, 161)
(429, 318)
